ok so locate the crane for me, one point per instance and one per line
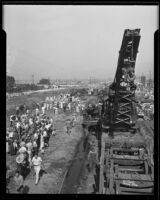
(120, 111)
(125, 148)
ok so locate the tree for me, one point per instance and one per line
(44, 81)
(10, 83)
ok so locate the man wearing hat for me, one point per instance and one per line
(22, 148)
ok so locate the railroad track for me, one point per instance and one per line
(63, 179)
(125, 170)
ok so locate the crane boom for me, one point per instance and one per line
(121, 102)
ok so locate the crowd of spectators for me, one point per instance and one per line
(31, 128)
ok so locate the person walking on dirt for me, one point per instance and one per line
(34, 148)
(37, 111)
(12, 120)
(29, 146)
(47, 105)
(56, 111)
(69, 106)
(41, 142)
(64, 107)
(72, 123)
(92, 158)
(43, 110)
(68, 126)
(37, 163)
(73, 120)
(54, 132)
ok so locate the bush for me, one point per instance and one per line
(44, 81)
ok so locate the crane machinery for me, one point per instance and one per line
(120, 106)
(126, 151)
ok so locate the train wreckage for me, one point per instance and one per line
(124, 149)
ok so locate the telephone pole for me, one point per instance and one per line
(32, 79)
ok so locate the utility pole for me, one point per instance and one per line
(32, 79)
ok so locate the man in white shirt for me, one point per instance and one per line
(30, 121)
(37, 163)
(50, 106)
(48, 126)
(29, 149)
(56, 111)
(27, 111)
(37, 111)
(47, 99)
(69, 106)
(35, 136)
(61, 105)
(51, 120)
(51, 99)
(43, 110)
(18, 125)
(47, 106)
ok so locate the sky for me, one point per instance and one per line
(74, 42)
